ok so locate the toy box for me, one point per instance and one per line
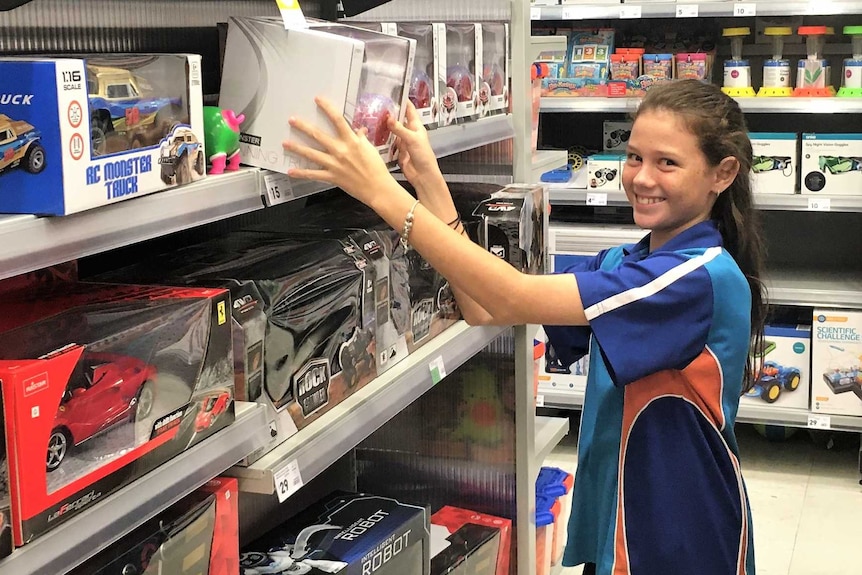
(268, 76)
(831, 164)
(346, 534)
(459, 56)
(513, 226)
(783, 376)
(836, 362)
(424, 90)
(775, 161)
(470, 543)
(615, 135)
(103, 383)
(604, 173)
(5, 498)
(197, 535)
(494, 83)
(80, 133)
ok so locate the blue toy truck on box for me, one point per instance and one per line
(80, 133)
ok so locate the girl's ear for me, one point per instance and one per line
(725, 173)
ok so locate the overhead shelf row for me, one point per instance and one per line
(789, 105)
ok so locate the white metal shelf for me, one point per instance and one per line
(609, 11)
(324, 441)
(119, 513)
(823, 288)
(549, 432)
(546, 160)
(749, 105)
(463, 137)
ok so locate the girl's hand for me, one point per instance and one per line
(415, 156)
(348, 160)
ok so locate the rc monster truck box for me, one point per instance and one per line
(836, 362)
(345, 534)
(300, 316)
(80, 133)
(775, 165)
(101, 384)
(782, 376)
(270, 75)
(831, 164)
(197, 535)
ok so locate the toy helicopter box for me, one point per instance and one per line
(101, 384)
(345, 534)
(831, 164)
(80, 133)
(775, 162)
(269, 76)
(782, 375)
(836, 362)
(199, 534)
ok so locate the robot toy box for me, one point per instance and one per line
(473, 543)
(103, 383)
(345, 534)
(80, 133)
(783, 377)
(514, 226)
(198, 535)
(775, 163)
(836, 362)
(268, 77)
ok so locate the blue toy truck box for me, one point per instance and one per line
(782, 375)
(80, 133)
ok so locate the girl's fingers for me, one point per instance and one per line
(412, 116)
(312, 132)
(316, 156)
(335, 116)
(306, 174)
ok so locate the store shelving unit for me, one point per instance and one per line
(122, 511)
(549, 432)
(758, 105)
(689, 9)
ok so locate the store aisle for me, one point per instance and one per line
(806, 501)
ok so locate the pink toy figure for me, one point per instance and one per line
(221, 129)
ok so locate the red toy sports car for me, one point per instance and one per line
(105, 389)
(210, 408)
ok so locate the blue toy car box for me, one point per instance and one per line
(80, 133)
(782, 376)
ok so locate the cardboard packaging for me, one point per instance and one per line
(775, 165)
(81, 133)
(269, 76)
(459, 55)
(494, 81)
(199, 534)
(831, 164)
(836, 357)
(615, 136)
(605, 173)
(107, 382)
(472, 543)
(783, 374)
(345, 534)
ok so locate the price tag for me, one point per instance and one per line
(437, 369)
(540, 400)
(819, 422)
(819, 204)
(686, 10)
(630, 12)
(744, 9)
(287, 480)
(572, 13)
(278, 188)
(291, 14)
(597, 199)
(535, 13)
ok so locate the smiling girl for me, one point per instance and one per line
(667, 321)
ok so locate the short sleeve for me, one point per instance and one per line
(650, 315)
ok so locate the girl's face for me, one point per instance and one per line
(667, 179)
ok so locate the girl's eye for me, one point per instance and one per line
(633, 158)
(667, 162)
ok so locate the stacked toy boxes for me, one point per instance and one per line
(836, 362)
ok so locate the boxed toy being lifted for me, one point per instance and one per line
(269, 76)
(836, 362)
(346, 534)
(198, 535)
(783, 376)
(103, 383)
(79, 133)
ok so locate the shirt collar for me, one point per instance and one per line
(701, 235)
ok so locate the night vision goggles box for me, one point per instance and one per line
(831, 164)
(80, 133)
(345, 534)
(269, 76)
(775, 161)
(514, 226)
(101, 384)
(197, 535)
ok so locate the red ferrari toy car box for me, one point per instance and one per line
(103, 383)
(475, 543)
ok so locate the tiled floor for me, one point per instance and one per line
(806, 501)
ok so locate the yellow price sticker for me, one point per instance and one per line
(291, 13)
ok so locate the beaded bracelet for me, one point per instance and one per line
(408, 225)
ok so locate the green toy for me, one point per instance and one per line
(221, 130)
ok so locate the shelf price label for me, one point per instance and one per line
(745, 9)
(630, 12)
(819, 204)
(686, 10)
(540, 400)
(278, 188)
(287, 480)
(597, 199)
(572, 13)
(819, 422)
(437, 369)
(535, 13)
